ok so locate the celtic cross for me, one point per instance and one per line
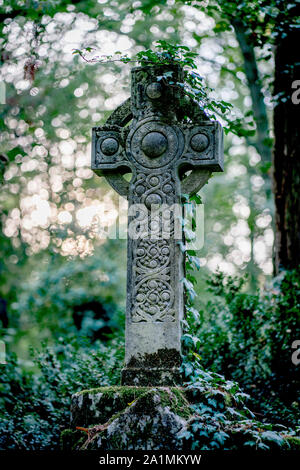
(170, 146)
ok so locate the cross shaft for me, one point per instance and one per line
(166, 137)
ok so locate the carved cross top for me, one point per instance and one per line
(150, 136)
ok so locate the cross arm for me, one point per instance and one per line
(108, 152)
(203, 153)
(203, 146)
(195, 181)
(109, 156)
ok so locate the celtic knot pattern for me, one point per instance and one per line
(149, 184)
(154, 296)
(157, 146)
(153, 291)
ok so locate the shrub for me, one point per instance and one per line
(248, 338)
(35, 407)
(222, 419)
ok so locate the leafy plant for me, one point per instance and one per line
(248, 338)
(35, 407)
(192, 86)
(222, 419)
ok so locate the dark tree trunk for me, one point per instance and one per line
(286, 159)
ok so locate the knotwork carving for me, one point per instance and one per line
(147, 184)
(157, 135)
(153, 292)
(152, 264)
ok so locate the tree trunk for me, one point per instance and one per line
(255, 88)
(261, 140)
(286, 161)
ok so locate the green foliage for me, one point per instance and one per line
(57, 81)
(193, 85)
(245, 336)
(249, 338)
(51, 295)
(35, 408)
(263, 21)
(221, 417)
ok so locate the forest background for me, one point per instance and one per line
(62, 286)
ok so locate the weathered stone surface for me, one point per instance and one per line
(98, 405)
(150, 423)
(153, 418)
(148, 369)
(131, 417)
(166, 136)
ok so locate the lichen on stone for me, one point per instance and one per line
(130, 417)
(152, 421)
(99, 404)
(154, 418)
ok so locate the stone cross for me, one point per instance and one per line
(159, 135)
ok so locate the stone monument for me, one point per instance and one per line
(171, 147)
(158, 135)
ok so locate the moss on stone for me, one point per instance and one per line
(171, 397)
(163, 358)
(161, 368)
(152, 420)
(124, 391)
(292, 443)
(127, 417)
(71, 439)
(177, 401)
(99, 404)
(147, 405)
(151, 377)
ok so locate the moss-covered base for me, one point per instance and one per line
(98, 405)
(161, 368)
(127, 418)
(151, 377)
(153, 418)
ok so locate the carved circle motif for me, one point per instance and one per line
(153, 199)
(154, 300)
(109, 146)
(154, 294)
(152, 137)
(167, 188)
(154, 91)
(199, 142)
(152, 250)
(139, 189)
(154, 181)
(154, 144)
(154, 189)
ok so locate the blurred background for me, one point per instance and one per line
(62, 286)
(53, 264)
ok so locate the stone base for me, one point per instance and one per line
(158, 369)
(131, 418)
(157, 418)
(150, 377)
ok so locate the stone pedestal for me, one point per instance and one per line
(138, 418)
(164, 418)
(162, 367)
